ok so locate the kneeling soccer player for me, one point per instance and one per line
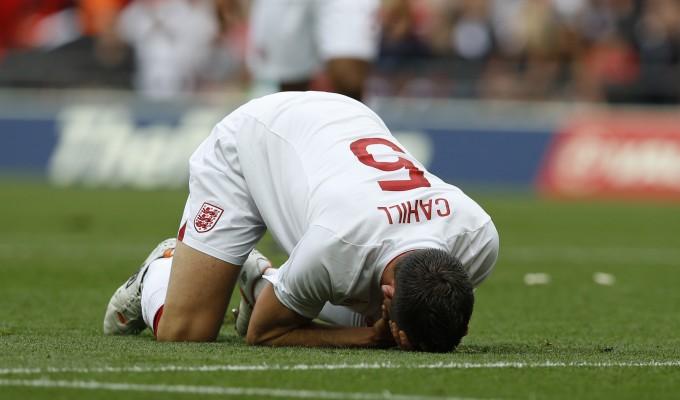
(381, 248)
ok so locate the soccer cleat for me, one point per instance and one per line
(124, 312)
(251, 274)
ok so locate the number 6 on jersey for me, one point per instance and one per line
(416, 177)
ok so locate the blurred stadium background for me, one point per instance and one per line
(524, 103)
(575, 97)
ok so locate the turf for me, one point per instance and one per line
(64, 251)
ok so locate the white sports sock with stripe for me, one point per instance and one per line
(154, 288)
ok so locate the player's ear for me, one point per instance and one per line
(388, 291)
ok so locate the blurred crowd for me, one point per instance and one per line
(161, 48)
(592, 50)
(584, 50)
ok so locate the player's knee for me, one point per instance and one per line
(255, 338)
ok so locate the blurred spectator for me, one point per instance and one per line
(98, 20)
(594, 50)
(404, 50)
(582, 50)
(401, 38)
(471, 36)
(228, 61)
(22, 23)
(659, 52)
(172, 40)
(60, 43)
(292, 41)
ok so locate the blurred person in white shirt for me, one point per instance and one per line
(172, 40)
(292, 40)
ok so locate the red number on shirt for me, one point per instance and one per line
(416, 176)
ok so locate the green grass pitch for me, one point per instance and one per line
(64, 251)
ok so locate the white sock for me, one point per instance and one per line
(341, 316)
(271, 275)
(154, 288)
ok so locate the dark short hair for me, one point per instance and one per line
(433, 300)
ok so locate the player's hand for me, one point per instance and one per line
(382, 335)
(400, 337)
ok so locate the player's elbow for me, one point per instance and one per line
(254, 340)
(261, 336)
(257, 337)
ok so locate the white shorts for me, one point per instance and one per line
(290, 39)
(220, 217)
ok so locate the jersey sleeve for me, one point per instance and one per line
(303, 283)
(484, 246)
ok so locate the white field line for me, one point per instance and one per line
(328, 367)
(216, 390)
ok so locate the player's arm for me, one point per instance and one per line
(273, 324)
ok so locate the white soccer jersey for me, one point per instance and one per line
(336, 190)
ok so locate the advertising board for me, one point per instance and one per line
(624, 154)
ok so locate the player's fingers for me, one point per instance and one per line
(395, 333)
(386, 307)
(384, 332)
(404, 342)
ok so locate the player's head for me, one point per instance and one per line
(432, 300)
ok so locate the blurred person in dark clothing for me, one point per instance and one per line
(72, 37)
(659, 52)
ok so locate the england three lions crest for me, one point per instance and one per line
(207, 217)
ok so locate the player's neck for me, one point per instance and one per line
(387, 277)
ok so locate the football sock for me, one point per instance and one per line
(342, 316)
(154, 288)
(260, 284)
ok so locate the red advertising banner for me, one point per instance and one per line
(632, 155)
